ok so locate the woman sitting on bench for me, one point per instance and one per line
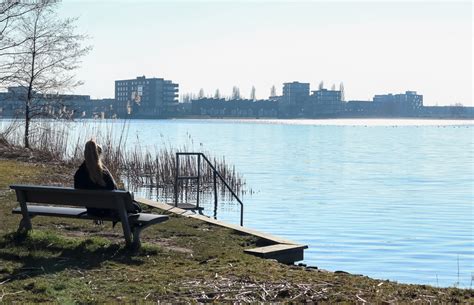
(93, 175)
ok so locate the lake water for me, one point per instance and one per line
(391, 199)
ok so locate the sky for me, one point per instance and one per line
(372, 47)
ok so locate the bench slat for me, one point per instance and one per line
(52, 211)
(38, 210)
(74, 197)
(145, 218)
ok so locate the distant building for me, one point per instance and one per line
(456, 111)
(406, 104)
(102, 108)
(146, 97)
(291, 103)
(324, 103)
(295, 93)
(325, 96)
(12, 104)
(218, 107)
(360, 109)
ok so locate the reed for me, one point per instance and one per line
(136, 166)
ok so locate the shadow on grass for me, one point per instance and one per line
(41, 253)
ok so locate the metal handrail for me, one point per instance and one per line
(215, 175)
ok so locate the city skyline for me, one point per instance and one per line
(373, 48)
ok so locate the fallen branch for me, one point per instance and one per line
(4, 294)
(361, 299)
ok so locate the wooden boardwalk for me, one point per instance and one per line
(282, 250)
(190, 207)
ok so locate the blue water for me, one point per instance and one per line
(388, 199)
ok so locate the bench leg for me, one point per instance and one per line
(136, 237)
(25, 222)
(125, 224)
(25, 225)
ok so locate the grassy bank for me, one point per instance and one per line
(66, 261)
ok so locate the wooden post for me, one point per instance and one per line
(176, 181)
(215, 194)
(198, 178)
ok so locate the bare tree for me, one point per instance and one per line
(217, 95)
(43, 65)
(10, 14)
(273, 91)
(253, 94)
(186, 97)
(321, 85)
(333, 87)
(341, 88)
(201, 93)
(236, 93)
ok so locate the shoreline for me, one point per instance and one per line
(342, 121)
(346, 121)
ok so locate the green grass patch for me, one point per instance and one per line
(17, 172)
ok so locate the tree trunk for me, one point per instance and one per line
(29, 97)
(30, 92)
(27, 125)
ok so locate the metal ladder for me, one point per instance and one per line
(216, 175)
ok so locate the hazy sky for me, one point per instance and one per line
(372, 47)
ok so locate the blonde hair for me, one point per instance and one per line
(92, 157)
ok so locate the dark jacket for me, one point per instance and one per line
(82, 180)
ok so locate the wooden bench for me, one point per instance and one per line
(120, 201)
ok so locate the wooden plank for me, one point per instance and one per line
(282, 250)
(140, 218)
(287, 254)
(60, 189)
(187, 206)
(172, 209)
(274, 248)
(52, 211)
(164, 207)
(73, 197)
